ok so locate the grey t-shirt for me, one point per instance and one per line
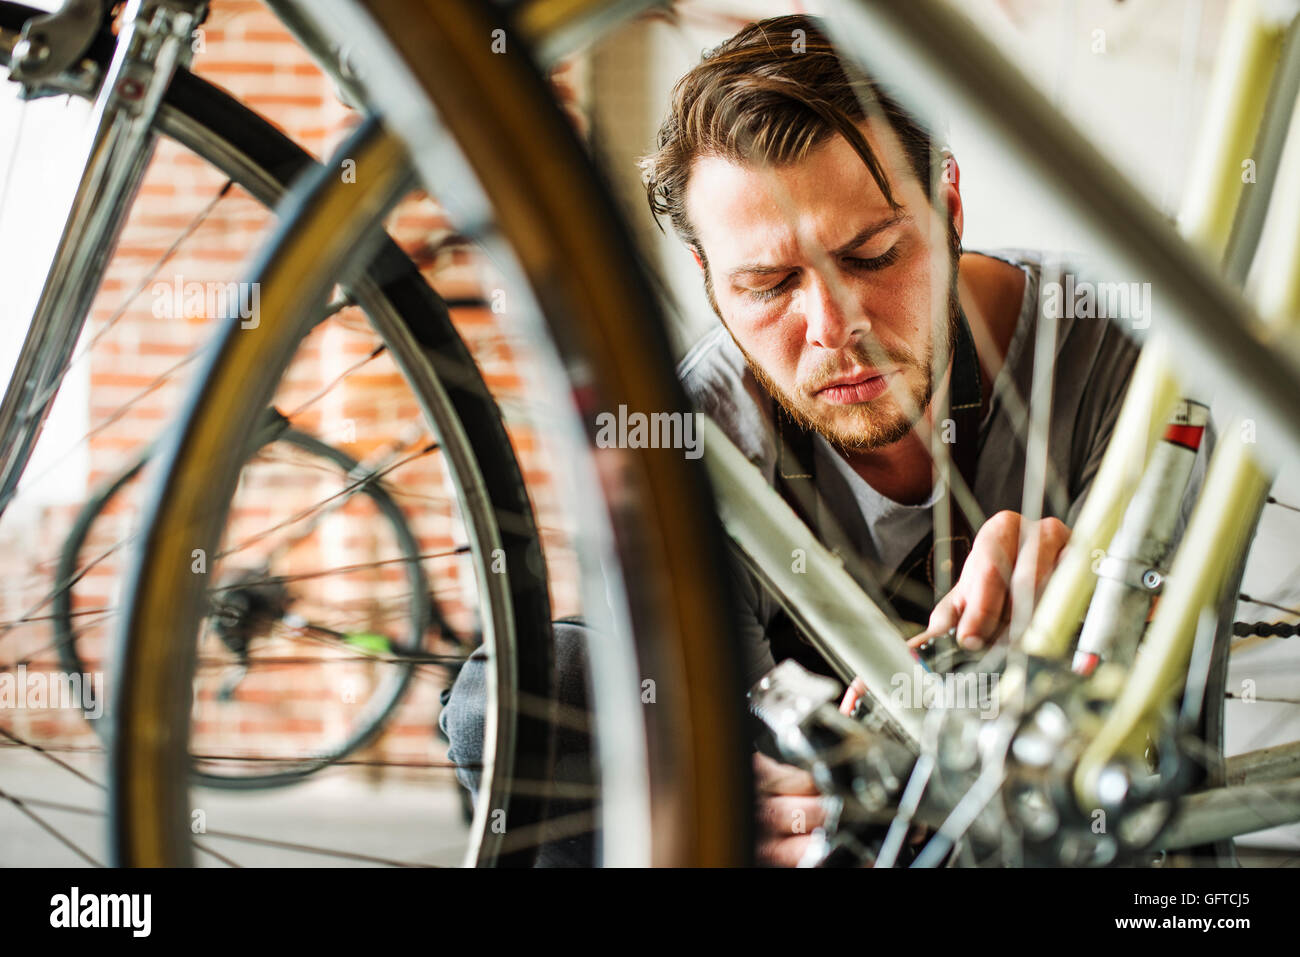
(1094, 358)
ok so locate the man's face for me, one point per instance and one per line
(826, 289)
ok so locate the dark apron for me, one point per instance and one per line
(909, 592)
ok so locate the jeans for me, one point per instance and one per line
(462, 721)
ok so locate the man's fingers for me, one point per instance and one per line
(974, 605)
(773, 777)
(984, 604)
(997, 542)
(998, 572)
(853, 695)
(945, 616)
(788, 810)
(1034, 564)
(789, 814)
(1039, 557)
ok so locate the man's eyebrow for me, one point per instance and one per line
(762, 269)
(898, 219)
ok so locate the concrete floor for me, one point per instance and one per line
(404, 818)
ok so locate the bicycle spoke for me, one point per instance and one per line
(25, 805)
(553, 829)
(233, 836)
(38, 402)
(344, 569)
(33, 619)
(55, 748)
(152, 272)
(961, 817)
(100, 616)
(283, 661)
(325, 390)
(49, 756)
(285, 760)
(1253, 697)
(30, 615)
(12, 160)
(339, 497)
(291, 760)
(1268, 604)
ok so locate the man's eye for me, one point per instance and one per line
(773, 291)
(878, 262)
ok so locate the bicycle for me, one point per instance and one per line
(374, 158)
(258, 157)
(252, 604)
(415, 55)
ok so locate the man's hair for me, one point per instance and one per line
(769, 95)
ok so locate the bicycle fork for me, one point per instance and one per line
(154, 39)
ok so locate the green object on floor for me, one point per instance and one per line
(369, 641)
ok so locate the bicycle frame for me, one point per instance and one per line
(155, 39)
(393, 163)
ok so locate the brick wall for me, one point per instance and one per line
(139, 374)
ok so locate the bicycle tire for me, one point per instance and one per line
(700, 776)
(252, 151)
(423, 612)
(497, 106)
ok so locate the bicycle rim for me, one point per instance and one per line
(384, 699)
(697, 764)
(423, 56)
(419, 332)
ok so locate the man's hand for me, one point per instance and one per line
(789, 809)
(979, 605)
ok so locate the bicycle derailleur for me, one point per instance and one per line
(246, 605)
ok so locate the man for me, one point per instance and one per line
(824, 251)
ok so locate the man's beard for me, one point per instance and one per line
(872, 426)
(893, 422)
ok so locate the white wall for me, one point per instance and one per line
(42, 148)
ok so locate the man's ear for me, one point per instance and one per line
(950, 183)
(695, 253)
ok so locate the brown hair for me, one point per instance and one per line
(770, 94)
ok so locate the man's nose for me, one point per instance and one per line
(832, 316)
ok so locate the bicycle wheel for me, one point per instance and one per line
(261, 159)
(662, 553)
(255, 614)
